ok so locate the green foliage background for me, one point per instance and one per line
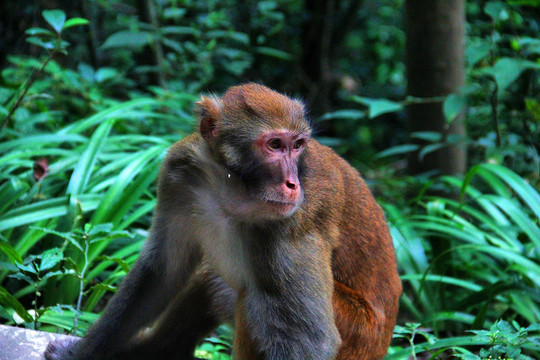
(86, 123)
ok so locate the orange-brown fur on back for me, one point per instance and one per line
(366, 284)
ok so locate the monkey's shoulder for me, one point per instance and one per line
(185, 158)
(330, 173)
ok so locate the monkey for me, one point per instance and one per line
(257, 225)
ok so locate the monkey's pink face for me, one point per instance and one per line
(280, 151)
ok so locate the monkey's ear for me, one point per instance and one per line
(207, 110)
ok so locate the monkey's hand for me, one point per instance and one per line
(61, 349)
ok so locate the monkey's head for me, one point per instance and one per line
(260, 136)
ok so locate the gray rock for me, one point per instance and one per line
(24, 344)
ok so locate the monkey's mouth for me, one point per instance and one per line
(280, 203)
(281, 207)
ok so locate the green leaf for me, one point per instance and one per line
(128, 39)
(431, 136)
(106, 73)
(50, 258)
(113, 111)
(128, 187)
(10, 252)
(349, 114)
(40, 140)
(75, 22)
(174, 13)
(533, 107)
(453, 106)
(378, 106)
(525, 191)
(233, 35)
(55, 18)
(48, 45)
(63, 235)
(117, 197)
(22, 277)
(46, 209)
(180, 30)
(531, 45)
(118, 261)
(440, 343)
(64, 320)
(477, 50)
(507, 70)
(51, 274)
(85, 165)
(497, 11)
(7, 300)
(397, 150)
(39, 31)
(275, 53)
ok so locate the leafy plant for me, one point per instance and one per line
(506, 341)
(495, 237)
(501, 341)
(48, 40)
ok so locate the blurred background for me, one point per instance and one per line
(436, 103)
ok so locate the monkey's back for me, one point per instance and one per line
(363, 260)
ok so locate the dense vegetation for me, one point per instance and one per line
(90, 102)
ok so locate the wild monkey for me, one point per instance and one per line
(259, 225)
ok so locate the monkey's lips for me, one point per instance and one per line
(282, 207)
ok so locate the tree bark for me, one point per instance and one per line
(435, 68)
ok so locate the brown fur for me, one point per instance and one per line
(366, 284)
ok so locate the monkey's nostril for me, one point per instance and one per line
(290, 185)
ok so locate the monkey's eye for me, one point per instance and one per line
(298, 144)
(274, 144)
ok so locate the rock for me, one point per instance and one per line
(24, 344)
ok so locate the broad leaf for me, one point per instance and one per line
(50, 258)
(477, 49)
(39, 31)
(397, 150)
(55, 18)
(497, 11)
(507, 70)
(128, 39)
(453, 106)
(378, 106)
(349, 114)
(275, 53)
(75, 22)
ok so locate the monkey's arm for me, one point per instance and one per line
(142, 296)
(170, 255)
(287, 313)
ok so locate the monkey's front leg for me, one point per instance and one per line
(287, 313)
(130, 308)
(142, 296)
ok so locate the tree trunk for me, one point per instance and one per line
(435, 68)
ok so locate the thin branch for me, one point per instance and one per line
(31, 78)
(494, 101)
